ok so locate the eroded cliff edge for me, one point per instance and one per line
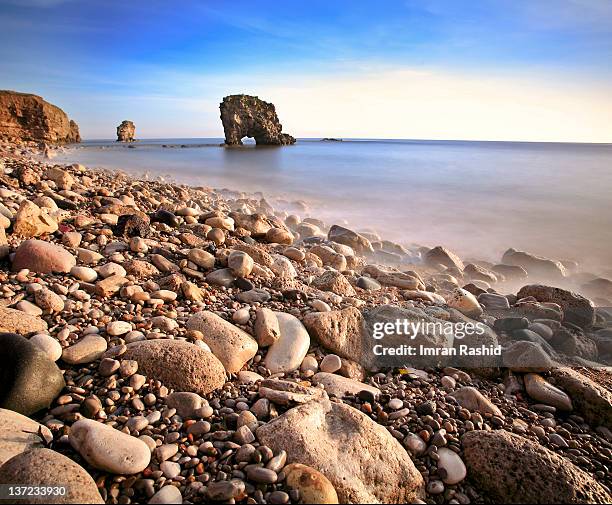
(26, 116)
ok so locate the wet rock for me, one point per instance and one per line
(511, 272)
(513, 469)
(30, 379)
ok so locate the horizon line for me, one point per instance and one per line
(361, 139)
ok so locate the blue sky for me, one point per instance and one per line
(406, 69)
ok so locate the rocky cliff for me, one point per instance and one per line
(28, 117)
(248, 116)
(125, 131)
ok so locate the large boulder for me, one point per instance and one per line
(125, 131)
(178, 364)
(350, 238)
(42, 257)
(536, 266)
(248, 116)
(576, 308)
(340, 331)
(19, 434)
(233, 346)
(29, 379)
(17, 321)
(512, 469)
(32, 221)
(42, 468)
(442, 256)
(335, 282)
(25, 116)
(360, 458)
(594, 402)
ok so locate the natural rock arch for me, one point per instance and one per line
(248, 116)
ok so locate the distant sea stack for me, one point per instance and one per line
(248, 116)
(24, 116)
(126, 131)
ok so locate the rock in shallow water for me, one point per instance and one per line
(106, 448)
(46, 468)
(30, 380)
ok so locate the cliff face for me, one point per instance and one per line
(28, 117)
(126, 131)
(248, 116)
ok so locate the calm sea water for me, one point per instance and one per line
(478, 198)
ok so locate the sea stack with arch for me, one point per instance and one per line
(126, 131)
(249, 116)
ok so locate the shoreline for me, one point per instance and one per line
(220, 341)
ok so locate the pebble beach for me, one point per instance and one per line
(163, 343)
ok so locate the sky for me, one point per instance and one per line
(533, 70)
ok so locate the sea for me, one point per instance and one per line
(476, 198)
